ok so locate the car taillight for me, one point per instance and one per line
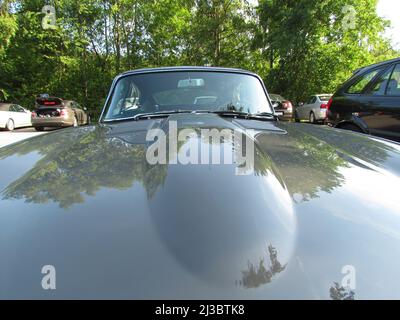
(287, 105)
(328, 106)
(324, 106)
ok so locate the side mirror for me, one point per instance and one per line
(275, 105)
(300, 104)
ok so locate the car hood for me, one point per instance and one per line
(317, 218)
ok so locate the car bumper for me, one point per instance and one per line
(320, 115)
(287, 115)
(52, 122)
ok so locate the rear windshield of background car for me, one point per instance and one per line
(276, 97)
(324, 98)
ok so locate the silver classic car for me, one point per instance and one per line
(191, 188)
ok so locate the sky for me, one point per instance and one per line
(390, 9)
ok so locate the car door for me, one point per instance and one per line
(15, 116)
(315, 105)
(301, 111)
(3, 115)
(309, 107)
(382, 104)
(24, 116)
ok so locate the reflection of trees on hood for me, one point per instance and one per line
(338, 292)
(307, 165)
(256, 276)
(310, 160)
(66, 173)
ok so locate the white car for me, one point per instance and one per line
(13, 116)
(314, 109)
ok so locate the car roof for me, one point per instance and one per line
(188, 68)
(376, 65)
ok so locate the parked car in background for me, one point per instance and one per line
(56, 112)
(14, 116)
(369, 102)
(283, 106)
(314, 110)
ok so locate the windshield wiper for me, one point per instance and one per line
(223, 113)
(246, 115)
(150, 115)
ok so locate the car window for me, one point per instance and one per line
(380, 85)
(190, 91)
(309, 100)
(19, 108)
(393, 88)
(277, 98)
(314, 100)
(363, 82)
(13, 109)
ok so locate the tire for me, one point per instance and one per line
(76, 124)
(313, 120)
(296, 117)
(40, 129)
(10, 126)
(351, 127)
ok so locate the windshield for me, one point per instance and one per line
(189, 91)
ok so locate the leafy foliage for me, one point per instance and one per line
(300, 47)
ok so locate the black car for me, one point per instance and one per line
(369, 102)
(87, 214)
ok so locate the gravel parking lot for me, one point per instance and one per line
(7, 138)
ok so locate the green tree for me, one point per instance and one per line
(312, 46)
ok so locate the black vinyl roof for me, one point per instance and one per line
(187, 68)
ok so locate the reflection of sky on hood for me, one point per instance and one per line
(365, 191)
(20, 165)
(358, 225)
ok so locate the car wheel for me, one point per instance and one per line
(312, 118)
(75, 122)
(296, 117)
(39, 128)
(10, 126)
(351, 127)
